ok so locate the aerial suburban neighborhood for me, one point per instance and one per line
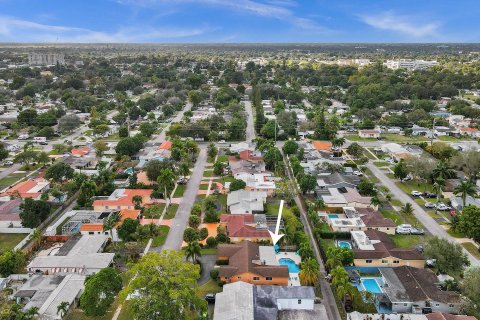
(253, 181)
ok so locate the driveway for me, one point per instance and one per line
(208, 262)
(179, 223)
(430, 224)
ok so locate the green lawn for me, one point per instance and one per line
(407, 240)
(404, 139)
(381, 163)
(77, 314)
(226, 179)
(210, 287)
(396, 202)
(8, 241)
(179, 191)
(205, 251)
(223, 158)
(208, 173)
(472, 249)
(409, 186)
(154, 212)
(11, 179)
(160, 239)
(204, 186)
(272, 209)
(171, 211)
(355, 137)
(392, 215)
(326, 243)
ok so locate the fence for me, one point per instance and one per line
(15, 230)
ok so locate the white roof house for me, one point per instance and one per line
(257, 181)
(243, 201)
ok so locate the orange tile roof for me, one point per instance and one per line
(91, 227)
(126, 198)
(129, 213)
(468, 129)
(81, 151)
(167, 145)
(322, 145)
(22, 189)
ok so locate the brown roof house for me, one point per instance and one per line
(372, 248)
(240, 227)
(249, 262)
(413, 290)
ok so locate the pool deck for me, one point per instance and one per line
(293, 278)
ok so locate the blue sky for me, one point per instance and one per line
(239, 21)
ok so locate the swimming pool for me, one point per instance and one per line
(292, 266)
(371, 285)
(344, 244)
(333, 216)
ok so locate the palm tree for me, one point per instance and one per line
(184, 169)
(309, 274)
(464, 189)
(334, 258)
(36, 238)
(438, 188)
(443, 171)
(305, 251)
(137, 200)
(31, 313)
(193, 251)
(343, 289)
(62, 308)
(407, 209)
(339, 275)
(110, 223)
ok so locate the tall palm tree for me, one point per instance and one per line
(464, 189)
(137, 201)
(338, 141)
(339, 275)
(36, 238)
(110, 222)
(193, 251)
(443, 170)
(407, 209)
(184, 169)
(62, 308)
(334, 258)
(31, 313)
(344, 288)
(305, 251)
(309, 272)
(376, 202)
(166, 182)
(438, 188)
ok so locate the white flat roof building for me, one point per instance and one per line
(410, 64)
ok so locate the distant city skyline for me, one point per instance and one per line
(206, 21)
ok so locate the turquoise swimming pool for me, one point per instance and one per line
(371, 285)
(333, 216)
(292, 266)
(344, 244)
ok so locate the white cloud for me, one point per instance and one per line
(401, 24)
(13, 29)
(277, 9)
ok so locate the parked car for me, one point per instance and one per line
(429, 195)
(429, 205)
(182, 181)
(416, 193)
(431, 262)
(358, 173)
(443, 207)
(8, 163)
(418, 231)
(210, 297)
(403, 229)
(407, 178)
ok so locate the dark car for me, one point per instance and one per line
(429, 195)
(210, 297)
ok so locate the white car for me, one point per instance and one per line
(404, 229)
(443, 207)
(429, 205)
(8, 163)
(416, 193)
(358, 173)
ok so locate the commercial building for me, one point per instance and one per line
(46, 59)
(410, 65)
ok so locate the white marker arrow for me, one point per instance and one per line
(275, 236)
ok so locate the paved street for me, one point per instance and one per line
(161, 137)
(179, 223)
(429, 223)
(250, 131)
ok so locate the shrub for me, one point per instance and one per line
(211, 242)
(214, 274)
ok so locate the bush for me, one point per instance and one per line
(211, 242)
(214, 274)
(334, 235)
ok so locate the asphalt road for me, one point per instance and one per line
(250, 131)
(179, 223)
(161, 137)
(430, 224)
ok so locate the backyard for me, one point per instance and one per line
(8, 241)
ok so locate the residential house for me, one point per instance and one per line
(361, 219)
(246, 202)
(337, 180)
(258, 182)
(372, 248)
(459, 121)
(80, 152)
(369, 134)
(241, 227)
(447, 316)
(97, 228)
(245, 301)
(31, 188)
(396, 151)
(420, 131)
(241, 146)
(80, 254)
(412, 290)
(407, 316)
(470, 132)
(238, 166)
(457, 202)
(443, 131)
(249, 262)
(47, 292)
(122, 199)
(322, 145)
